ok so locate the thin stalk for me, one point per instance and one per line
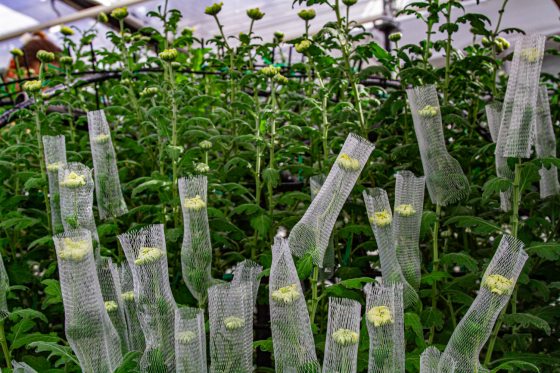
(42, 166)
(4, 344)
(496, 30)
(174, 165)
(447, 56)
(272, 155)
(314, 299)
(435, 249)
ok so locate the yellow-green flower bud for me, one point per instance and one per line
(32, 86)
(405, 210)
(485, 42)
(270, 71)
(169, 55)
(380, 316)
(74, 250)
(195, 203)
(102, 17)
(214, 9)
(53, 167)
(307, 14)
(345, 337)
(119, 13)
(303, 46)
(66, 61)
(498, 284)
(66, 31)
(255, 14)
(73, 181)
(349, 2)
(278, 36)
(202, 168)
(428, 111)
(205, 144)
(281, 79)
(396, 36)
(233, 323)
(347, 163)
(381, 218)
(504, 43)
(148, 255)
(45, 56)
(128, 296)
(286, 295)
(111, 306)
(16, 52)
(102, 138)
(185, 337)
(149, 91)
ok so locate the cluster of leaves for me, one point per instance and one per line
(268, 137)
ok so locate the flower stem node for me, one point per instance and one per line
(186, 337)
(255, 14)
(75, 251)
(73, 181)
(347, 163)
(498, 284)
(119, 13)
(128, 296)
(345, 337)
(45, 56)
(32, 86)
(111, 306)
(214, 9)
(233, 323)
(286, 295)
(195, 203)
(168, 55)
(148, 255)
(428, 111)
(307, 14)
(380, 316)
(381, 218)
(405, 210)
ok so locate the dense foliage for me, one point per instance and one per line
(232, 108)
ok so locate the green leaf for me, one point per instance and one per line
(261, 224)
(247, 209)
(53, 292)
(513, 364)
(527, 320)
(461, 259)
(356, 283)
(35, 183)
(62, 354)
(130, 362)
(548, 251)
(432, 317)
(26, 339)
(27, 313)
(494, 186)
(304, 266)
(412, 321)
(477, 224)
(432, 277)
(264, 345)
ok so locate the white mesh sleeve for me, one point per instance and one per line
(315, 184)
(190, 340)
(247, 272)
(55, 157)
(110, 201)
(135, 335)
(311, 234)
(89, 330)
(445, 179)
(343, 336)
(546, 145)
(4, 288)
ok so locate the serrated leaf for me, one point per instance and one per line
(62, 354)
(356, 283)
(304, 266)
(548, 251)
(496, 185)
(526, 320)
(477, 224)
(461, 259)
(129, 362)
(412, 321)
(264, 345)
(432, 277)
(261, 224)
(514, 364)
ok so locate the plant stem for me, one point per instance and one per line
(435, 263)
(42, 166)
(447, 56)
(314, 299)
(494, 34)
(173, 141)
(4, 344)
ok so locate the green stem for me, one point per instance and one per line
(447, 56)
(494, 34)
(435, 248)
(4, 344)
(42, 165)
(314, 298)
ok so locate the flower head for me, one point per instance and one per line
(102, 138)
(128, 296)
(278, 36)
(281, 79)
(286, 295)
(119, 13)
(214, 9)
(149, 91)
(148, 255)
(45, 56)
(205, 144)
(396, 36)
(66, 31)
(111, 306)
(498, 284)
(381, 218)
(405, 210)
(74, 250)
(530, 54)
(270, 71)
(233, 323)
(168, 55)
(195, 203)
(66, 61)
(428, 111)
(303, 45)
(502, 42)
(32, 86)
(307, 14)
(16, 52)
(202, 168)
(53, 167)
(345, 337)
(255, 14)
(102, 17)
(379, 316)
(185, 337)
(347, 163)
(73, 180)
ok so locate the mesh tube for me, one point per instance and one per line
(20, 367)
(380, 218)
(4, 287)
(311, 234)
(494, 118)
(111, 291)
(89, 330)
(55, 157)
(110, 201)
(247, 272)
(135, 335)
(546, 145)
(147, 257)
(445, 179)
(385, 324)
(230, 310)
(343, 336)
(315, 184)
(76, 200)
(190, 340)
(520, 101)
(294, 348)
(196, 251)
(408, 207)
(476, 326)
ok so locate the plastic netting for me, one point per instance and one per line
(445, 179)
(385, 324)
(89, 330)
(230, 309)
(343, 336)
(110, 284)
(190, 340)
(545, 145)
(429, 360)
(248, 272)
(408, 208)
(55, 157)
(294, 347)
(520, 102)
(494, 119)
(381, 220)
(196, 251)
(135, 335)
(315, 184)
(110, 201)
(312, 233)
(4, 287)
(76, 200)
(474, 329)
(146, 254)
(21, 367)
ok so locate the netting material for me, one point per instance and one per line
(315, 184)
(247, 272)
(76, 200)
(135, 335)
(294, 347)
(146, 254)
(110, 201)
(196, 251)
(475, 327)
(111, 292)
(520, 101)
(385, 324)
(88, 328)
(343, 336)
(408, 207)
(545, 145)
(230, 309)
(190, 340)
(311, 234)
(4, 287)
(21, 367)
(445, 179)
(381, 220)
(494, 119)
(55, 157)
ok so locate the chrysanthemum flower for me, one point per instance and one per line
(380, 316)
(195, 203)
(286, 295)
(345, 337)
(346, 162)
(233, 323)
(73, 180)
(148, 255)
(498, 284)
(381, 218)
